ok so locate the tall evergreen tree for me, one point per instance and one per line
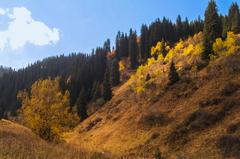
(212, 28)
(173, 75)
(234, 18)
(117, 45)
(81, 104)
(107, 45)
(133, 49)
(115, 73)
(179, 27)
(1, 112)
(225, 26)
(107, 91)
(97, 92)
(143, 43)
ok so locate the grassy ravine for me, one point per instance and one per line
(18, 142)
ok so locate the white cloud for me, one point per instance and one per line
(23, 29)
(2, 11)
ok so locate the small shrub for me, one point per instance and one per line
(229, 89)
(98, 155)
(229, 146)
(158, 154)
(155, 119)
(93, 123)
(233, 128)
(173, 74)
(100, 102)
(154, 136)
(210, 102)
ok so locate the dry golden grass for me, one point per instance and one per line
(123, 132)
(18, 142)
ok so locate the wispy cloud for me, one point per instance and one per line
(24, 29)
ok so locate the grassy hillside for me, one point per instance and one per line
(18, 142)
(198, 117)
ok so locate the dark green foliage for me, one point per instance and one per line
(212, 28)
(107, 91)
(234, 18)
(81, 105)
(96, 93)
(115, 73)
(107, 45)
(173, 75)
(224, 20)
(122, 45)
(1, 112)
(164, 51)
(4, 70)
(133, 49)
(158, 154)
(144, 43)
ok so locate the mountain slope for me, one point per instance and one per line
(18, 142)
(192, 118)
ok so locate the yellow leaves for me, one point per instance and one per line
(179, 45)
(121, 66)
(184, 51)
(228, 47)
(218, 47)
(160, 49)
(169, 55)
(46, 110)
(151, 61)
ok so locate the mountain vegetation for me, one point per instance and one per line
(170, 92)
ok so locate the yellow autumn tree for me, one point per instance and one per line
(228, 47)
(46, 110)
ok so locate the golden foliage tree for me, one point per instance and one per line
(228, 47)
(46, 109)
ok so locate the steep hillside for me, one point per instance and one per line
(198, 117)
(18, 142)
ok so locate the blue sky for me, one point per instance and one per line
(31, 30)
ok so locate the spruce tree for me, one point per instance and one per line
(234, 18)
(212, 28)
(179, 27)
(97, 92)
(1, 112)
(107, 91)
(81, 105)
(173, 75)
(143, 43)
(225, 26)
(117, 44)
(133, 49)
(115, 73)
